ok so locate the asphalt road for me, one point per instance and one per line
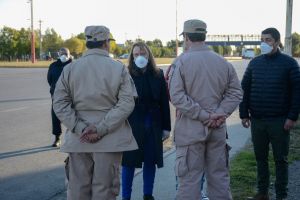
(29, 167)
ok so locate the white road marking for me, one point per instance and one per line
(14, 109)
(42, 104)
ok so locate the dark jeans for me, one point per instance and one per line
(56, 124)
(263, 133)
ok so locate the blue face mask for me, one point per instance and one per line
(141, 61)
(265, 48)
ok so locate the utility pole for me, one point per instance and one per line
(288, 28)
(176, 31)
(41, 49)
(32, 34)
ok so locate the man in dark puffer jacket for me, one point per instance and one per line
(271, 102)
(54, 71)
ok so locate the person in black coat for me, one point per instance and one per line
(54, 72)
(150, 120)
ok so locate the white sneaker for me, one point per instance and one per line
(204, 197)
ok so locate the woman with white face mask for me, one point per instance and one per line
(54, 72)
(150, 120)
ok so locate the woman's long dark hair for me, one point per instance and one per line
(151, 66)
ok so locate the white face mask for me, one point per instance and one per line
(265, 48)
(141, 61)
(63, 58)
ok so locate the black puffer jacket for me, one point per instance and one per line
(271, 87)
(54, 72)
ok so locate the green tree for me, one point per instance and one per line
(239, 50)
(256, 51)
(128, 45)
(139, 40)
(221, 50)
(37, 42)
(8, 43)
(52, 42)
(296, 45)
(227, 50)
(75, 45)
(23, 46)
(167, 52)
(216, 49)
(149, 43)
(113, 45)
(171, 44)
(156, 51)
(16, 44)
(117, 50)
(81, 36)
(157, 43)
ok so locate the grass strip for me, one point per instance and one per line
(243, 167)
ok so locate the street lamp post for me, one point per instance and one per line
(41, 49)
(288, 28)
(32, 34)
(176, 31)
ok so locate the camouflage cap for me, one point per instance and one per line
(194, 26)
(97, 33)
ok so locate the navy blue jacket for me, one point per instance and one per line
(54, 72)
(271, 87)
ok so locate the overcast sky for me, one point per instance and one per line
(130, 19)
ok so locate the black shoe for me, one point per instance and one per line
(148, 197)
(56, 142)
